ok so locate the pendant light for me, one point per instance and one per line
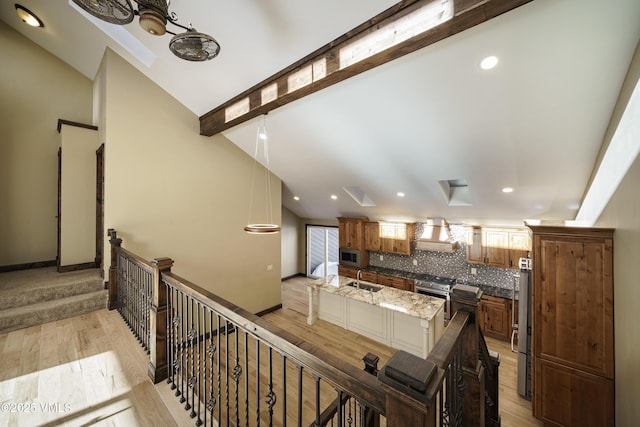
(262, 146)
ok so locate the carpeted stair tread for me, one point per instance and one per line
(49, 311)
(23, 288)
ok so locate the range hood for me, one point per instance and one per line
(436, 237)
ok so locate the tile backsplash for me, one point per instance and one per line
(446, 264)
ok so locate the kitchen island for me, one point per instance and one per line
(400, 319)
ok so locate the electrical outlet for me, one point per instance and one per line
(474, 270)
(415, 262)
(381, 257)
(269, 267)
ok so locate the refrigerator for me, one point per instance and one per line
(524, 329)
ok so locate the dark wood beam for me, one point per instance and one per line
(467, 14)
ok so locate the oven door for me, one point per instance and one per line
(437, 293)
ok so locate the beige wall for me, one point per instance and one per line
(171, 192)
(78, 195)
(36, 89)
(623, 214)
(290, 243)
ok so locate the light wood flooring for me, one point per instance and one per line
(90, 370)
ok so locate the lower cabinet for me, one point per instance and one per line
(566, 393)
(332, 308)
(495, 317)
(368, 320)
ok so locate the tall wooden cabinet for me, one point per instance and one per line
(573, 381)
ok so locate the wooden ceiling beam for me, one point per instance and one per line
(324, 67)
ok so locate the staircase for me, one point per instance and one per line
(34, 297)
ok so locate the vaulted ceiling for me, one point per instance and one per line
(534, 123)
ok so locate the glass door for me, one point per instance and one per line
(322, 250)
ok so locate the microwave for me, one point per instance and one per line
(350, 257)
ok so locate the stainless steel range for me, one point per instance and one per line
(436, 286)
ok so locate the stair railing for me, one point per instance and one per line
(231, 367)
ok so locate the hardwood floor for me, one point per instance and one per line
(83, 370)
(91, 370)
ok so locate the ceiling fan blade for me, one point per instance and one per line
(114, 11)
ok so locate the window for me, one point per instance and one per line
(322, 249)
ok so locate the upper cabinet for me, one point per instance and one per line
(395, 238)
(497, 247)
(351, 232)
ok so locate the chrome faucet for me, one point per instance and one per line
(358, 278)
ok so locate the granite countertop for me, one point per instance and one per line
(493, 291)
(410, 303)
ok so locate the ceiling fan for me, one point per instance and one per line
(154, 15)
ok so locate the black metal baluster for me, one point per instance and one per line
(183, 360)
(246, 378)
(198, 377)
(219, 371)
(363, 414)
(237, 372)
(211, 350)
(257, 382)
(170, 336)
(271, 396)
(317, 379)
(339, 409)
(190, 358)
(349, 415)
(226, 368)
(284, 390)
(300, 394)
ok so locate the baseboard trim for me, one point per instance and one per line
(292, 276)
(76, 267)
(27, 266)
(269, 310)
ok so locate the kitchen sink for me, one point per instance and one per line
(366, 286)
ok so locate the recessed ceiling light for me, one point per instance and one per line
(400, 194)
(334, 197)
(489, 62)
(28, 17)
(296, 198)
(507, 190)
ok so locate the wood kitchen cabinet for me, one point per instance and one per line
(572, 302)
(347, 272)
(395, 238)
(497, 247)
(495, 317)
(395, 282)
(351, 233)
(372, 240)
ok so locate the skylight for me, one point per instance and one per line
(359, 196)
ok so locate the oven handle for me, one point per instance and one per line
(432, 292)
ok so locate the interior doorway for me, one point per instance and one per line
(322, 250)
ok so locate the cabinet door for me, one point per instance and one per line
(370, 276)
(343, 234)
(519, 246)
(569, 397)
(573, 296)
(496, 247)
(475, 254)
(495, 317)
(395, 282)
(372, 241)
(403, 239)
(387, 237)
(347, 272)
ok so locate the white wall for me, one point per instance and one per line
(171, 192)
(78, 195)
(36, 90)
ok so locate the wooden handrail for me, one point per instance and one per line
(330, 368)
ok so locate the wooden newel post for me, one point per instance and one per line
(112, 301)
(467, 298)
(158, 369)
(409, 385)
